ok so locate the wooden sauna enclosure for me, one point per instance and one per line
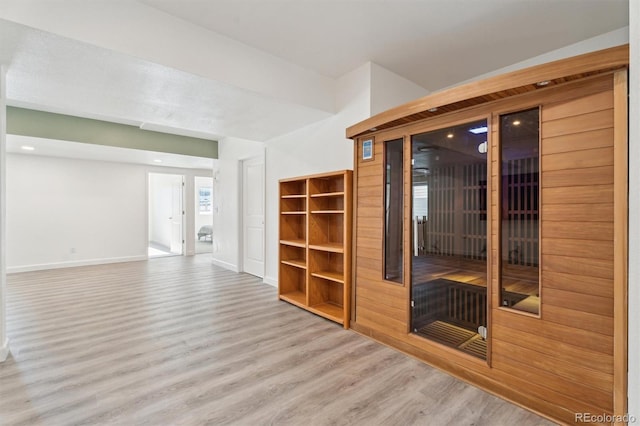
(490, 233)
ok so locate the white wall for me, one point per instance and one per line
(97, 208)
(56, 206)
(388, 89)
(321, 147)
(227, 173)
(4, 339)
(603, 41)
(634, 211)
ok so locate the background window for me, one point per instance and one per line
(204, 197)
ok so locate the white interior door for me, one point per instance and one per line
(253, 215)
(176, 216)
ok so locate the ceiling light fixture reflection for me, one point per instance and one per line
(27, 148)
(479, 130)
(434, 109)
(516, 122)
(421, 171)
(482, 148)
(450, 135)
(428, 148)
(543, 83)
(157, 161)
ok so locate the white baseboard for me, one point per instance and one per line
(271, 281)
(4, 350)
(74, 263)
(225, 265)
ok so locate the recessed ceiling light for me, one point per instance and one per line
(27, 148)
(434, 109)
(157, 161)
(516, 122)
(478, 130)
(542, 83)
(450, 135)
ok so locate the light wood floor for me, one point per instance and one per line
(179, 341)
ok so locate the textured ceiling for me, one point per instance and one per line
(53, 73)
(104, 59)
(434, 43)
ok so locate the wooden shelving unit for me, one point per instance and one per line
(315, 244)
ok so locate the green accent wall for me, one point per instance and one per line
(40, 124)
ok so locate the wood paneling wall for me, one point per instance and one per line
(560, 362)
(576, 263)
(380, 304)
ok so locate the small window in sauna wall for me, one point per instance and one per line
(519, 212)
(449, 228)
(393, 221)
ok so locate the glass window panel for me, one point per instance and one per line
(393, 224)
(519, 214)
(449, 262)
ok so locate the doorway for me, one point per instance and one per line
(166, 215)
(449, 262)
(203, 187)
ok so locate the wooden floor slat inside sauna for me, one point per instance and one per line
(180, 341)
(457, 337)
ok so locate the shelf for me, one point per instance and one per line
(331, 247)
(298, 298)
(293, 189)
(329, 310)
(314, 248)
(294, 243)
(298, 263)
(327, 184)
(326, 231)
(327, 204)
(328, 194)
(330, 275)
(293, 227)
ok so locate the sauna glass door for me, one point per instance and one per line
(449, 256)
